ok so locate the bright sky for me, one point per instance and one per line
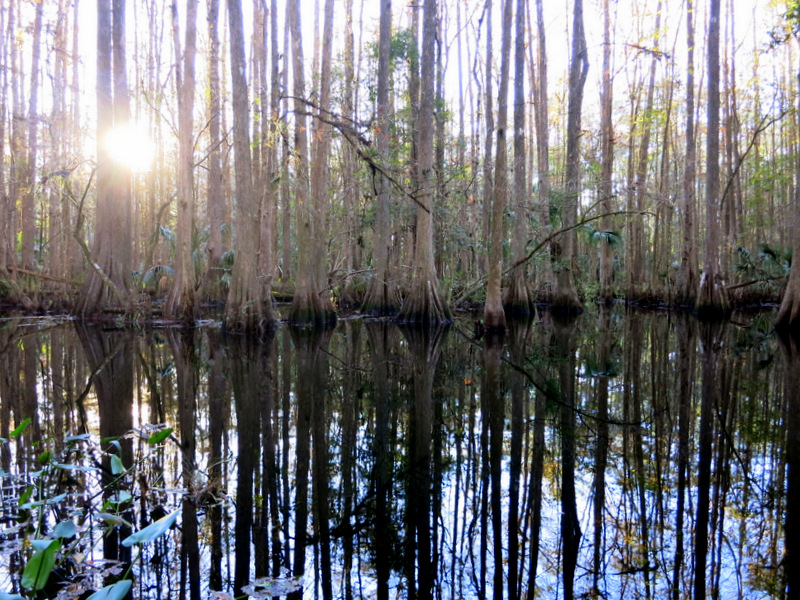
(753, 20)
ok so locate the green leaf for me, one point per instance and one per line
(44, 458)
(65, 529)
(152, 531)
(41, 564)
(116, 591)
(120, 497)
(26, 495)
(56, 499)
(159, 436)
(20, 428)
(117, 467)
(112, 520)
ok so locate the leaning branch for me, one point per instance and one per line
(85, 248)
(474, 286)
(359, 143)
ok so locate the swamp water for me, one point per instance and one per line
(615, 455)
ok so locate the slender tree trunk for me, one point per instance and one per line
(351, 294)
(607, 159)
(488, 179)
(214, 202)
(689, 276)
(247, 309)
(566, 296)
(517, 299)
(425, 305)
(494, 317)
(544, 288)
(311, 304)
(712, 299)
(31, 184)
(181, 302)
(789, 313)
(382, 297)
(108, 284)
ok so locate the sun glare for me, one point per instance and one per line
(131, 146)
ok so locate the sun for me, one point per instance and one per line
(130, 145)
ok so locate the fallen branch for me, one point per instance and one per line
(44, 276)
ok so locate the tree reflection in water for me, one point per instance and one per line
(373, 462)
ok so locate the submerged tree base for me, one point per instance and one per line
(382, 299)
(712, 300)
(310, 310)
(424, 306)
(517, 301)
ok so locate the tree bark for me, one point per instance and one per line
(544, 286)
(111, 249)
(517, 300)
(382, 297)
(181, 300)
(566, 295)
(247, 310)
(606, 292)
(494, 317)
(425, 305)
(712, 299)
(789, 312)
(215, 211)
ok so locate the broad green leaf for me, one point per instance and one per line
(20, 428)
(56, 499)
(120, 497)
(82, 469)
(110, 519)
(65, 529)
(117, 468)
(159, 436)
(116, 591)
(44, 458)
(26, 495)
(152, 531)
(41, 564)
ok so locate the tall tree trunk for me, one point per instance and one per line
(350, 294)
(712, 299)
(517, 299)
(636, 268)
(247, 309)
(789, 313)
(494, 317)
(488, 112)
(607, 159)
(181, 302)
(108, 283)
(425, 305)
(689, 276)
(544, 286)
(29, 196)
(566, 296)
(382, 297)
(215, 210)
(310, 304)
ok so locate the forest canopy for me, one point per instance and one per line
(166, 157)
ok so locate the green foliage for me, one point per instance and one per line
(45, 498)
(152, 531)
(41, 564)
(609, 237)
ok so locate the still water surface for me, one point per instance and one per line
(616, 455)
